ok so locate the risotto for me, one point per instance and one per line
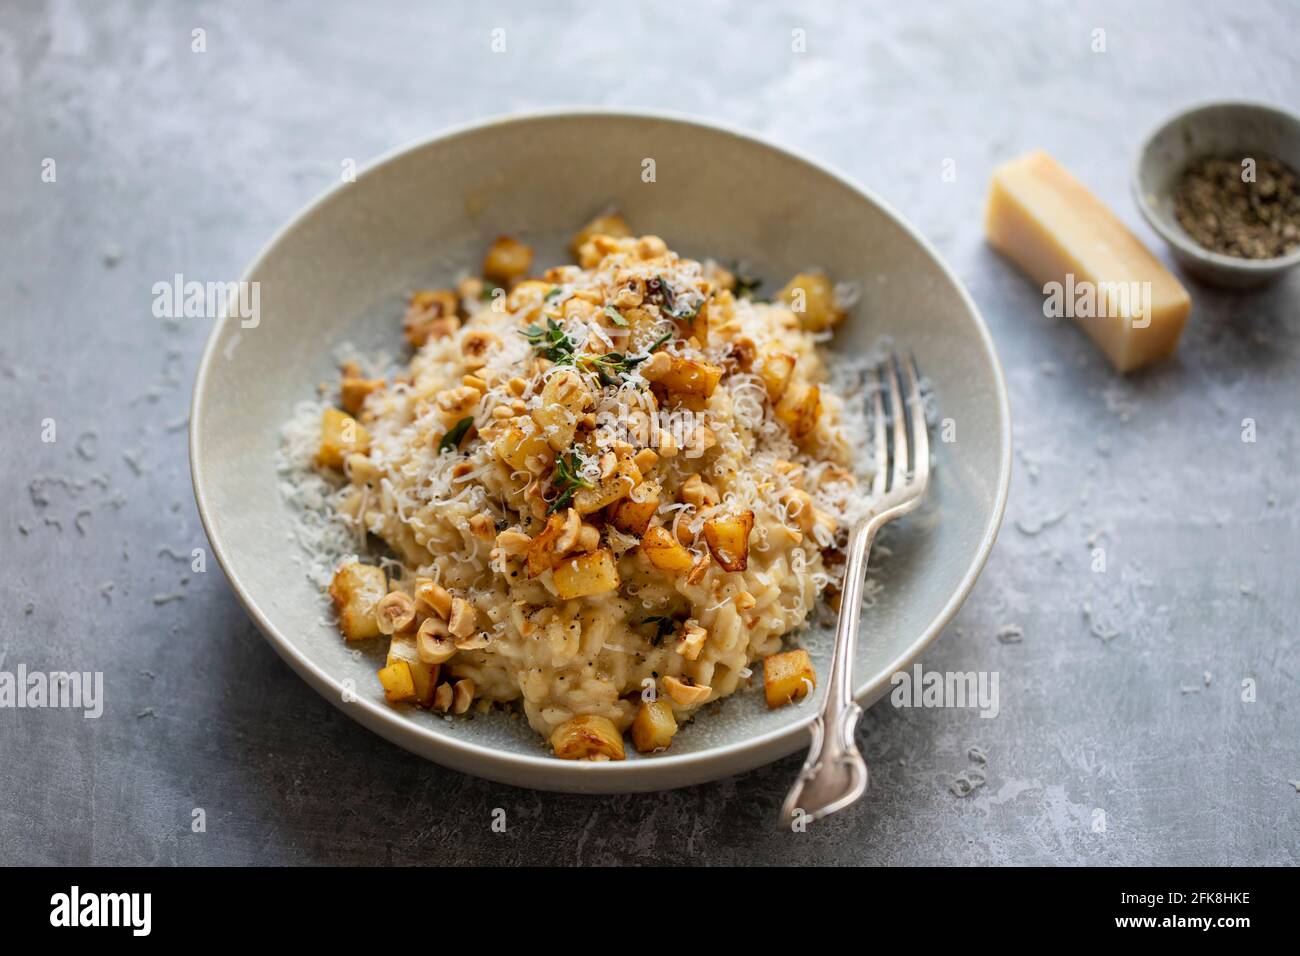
(607, 492)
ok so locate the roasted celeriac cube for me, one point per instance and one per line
(588, 737)
(398, 683)
(564, 398)
(523, 447)
(625, 477)
(340, 435)
(787, 677)
(728, 540)
(586, 574)
(680, 376)
(811, 296)
(424, 676)
(664, 551)
(634, 512)
(799, 409)
(776, 368)
(507, 260)
(654, 726)
(356, 591)
(542, 552)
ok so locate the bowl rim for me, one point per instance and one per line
(1176, 237)
(543, 771)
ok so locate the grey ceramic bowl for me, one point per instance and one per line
(1215, 129)
(339, 271)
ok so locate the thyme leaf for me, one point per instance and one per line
(452, 439)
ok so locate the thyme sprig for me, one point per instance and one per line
(554, 343)
(567, 479)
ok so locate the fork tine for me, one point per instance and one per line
(898, 412)
(882, 452)
(920, 431)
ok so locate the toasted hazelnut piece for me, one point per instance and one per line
(696, 491)
(701, 565)
(462, 696)
(442, 698)
(433, 643)
(513, 543)
(354, 390)
(474, 381)
(569, 531)
(434, 596)
(455, 403)
(650, 247)
(517, 386)
(793, 472)
(684, 694)
(588, 538)
(610, 224)
(360, 469)
(657, 366)
(461, 622)
(667, 444)
(395, 612)
(431, 315)
(475, 642)
(475, 346)
(482, 526)
(608, 462)
(745, 600)
(645, 459)
(692, 640)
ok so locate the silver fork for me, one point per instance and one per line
(834, 775)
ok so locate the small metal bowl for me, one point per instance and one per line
(1214, 129)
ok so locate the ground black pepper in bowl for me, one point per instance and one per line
(1251, 211)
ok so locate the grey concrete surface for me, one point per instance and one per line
(1123, 702)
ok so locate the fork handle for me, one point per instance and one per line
(834, 775)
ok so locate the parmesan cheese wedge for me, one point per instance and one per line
(1091, 266)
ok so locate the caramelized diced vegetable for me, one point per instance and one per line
(776, 369)
(664, 551)
(787, 677)
(682, 376)
(356, 591)
(654, 726)
(542, 552)
(634, 512)
(424, 676)
(507, 260)
(811, 296)
(340, 435)
(799, 409)
(588, 737)
(398, 683)
(586, 574)
(523, 447)
(625, 477)
(728, 539)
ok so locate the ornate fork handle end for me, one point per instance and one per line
(833, 776)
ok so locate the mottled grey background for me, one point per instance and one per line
(1124, 694)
